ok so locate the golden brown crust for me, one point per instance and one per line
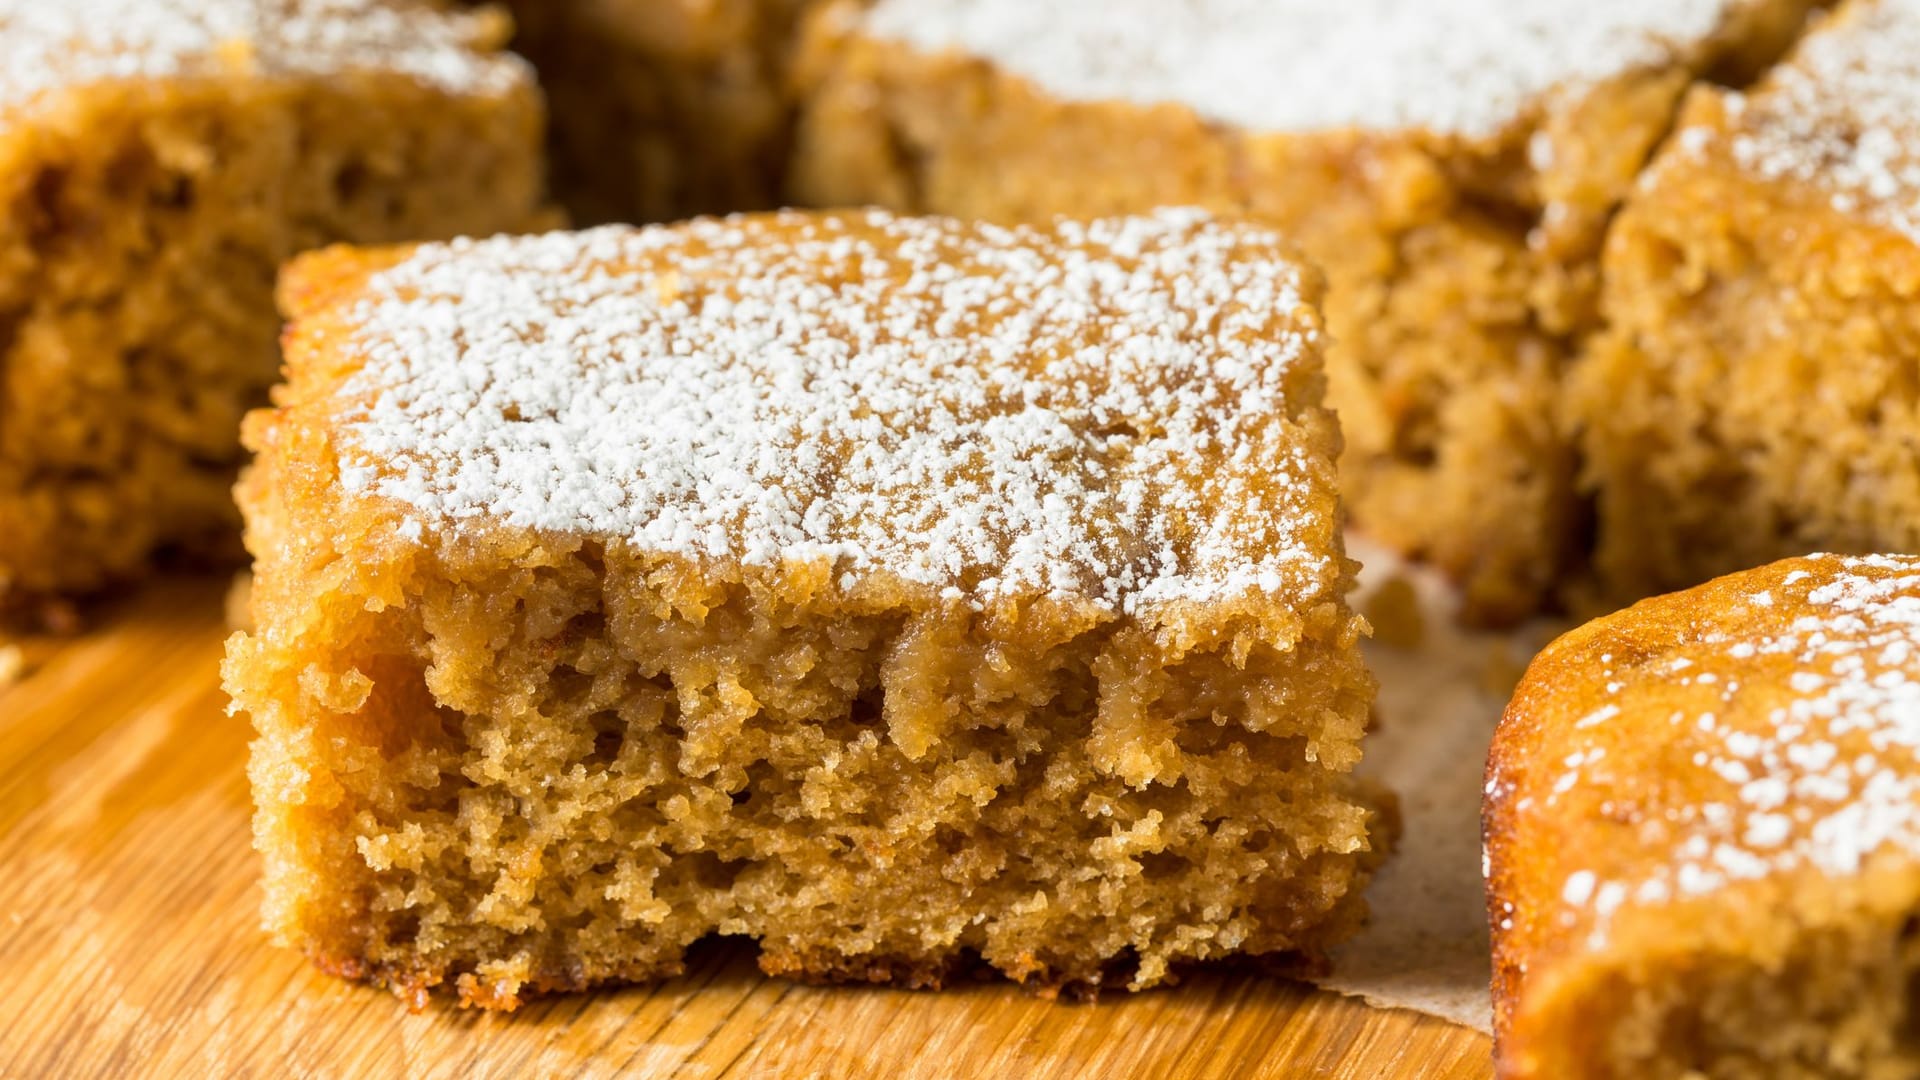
(1670, 880)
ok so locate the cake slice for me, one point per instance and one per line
(1757, 393)
(1703, 834)
(1452, 164)
(159, 159)
(890, 591)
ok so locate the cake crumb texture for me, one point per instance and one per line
(883, 590)
(1703, 830)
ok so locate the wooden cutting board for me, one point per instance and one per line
(129, 942)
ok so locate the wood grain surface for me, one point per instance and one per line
(130, 944)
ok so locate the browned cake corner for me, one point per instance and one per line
(1451, 165)
(158, 160)
(890, 591)
(665, 108)
(1757, 394)
(1703, 834)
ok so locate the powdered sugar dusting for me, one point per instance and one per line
(1104, 411)
(1468, 67)
(1818, 774)
(47, 45)
(1844, 115)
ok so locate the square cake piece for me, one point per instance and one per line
(891, 591)
(664, 108)
(159, 159)
(1452, 164)
(1757, 393)
(1703, 834)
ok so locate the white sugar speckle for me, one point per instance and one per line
(1733, 772)
(1579, 887)
(48, 45)
(1468, 67)
(1766, 793)
(1103, 411)
(1767, 830)
(1599, 716)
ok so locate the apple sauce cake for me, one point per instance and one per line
(158, 160)
(1703, 834)
(1451, 164)
(896, 592)
(1757, 394)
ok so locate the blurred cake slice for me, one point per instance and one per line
(665, 108)
(159, 159)
(1757, 393)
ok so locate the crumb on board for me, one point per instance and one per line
(1394, 611)
(239, 602)
(1500, 674)
(13, 665)
(59, 617)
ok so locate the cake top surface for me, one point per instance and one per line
(1466, 67)
(49, 45)
(1762, 725)
(1103, 411)
(1842, 115)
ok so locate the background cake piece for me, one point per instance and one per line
(887, 590)
(1703, 834)
(664, 108)
(158, 160)
(1758, 392)
(1451, 164)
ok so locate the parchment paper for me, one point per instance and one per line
(1426, 947)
